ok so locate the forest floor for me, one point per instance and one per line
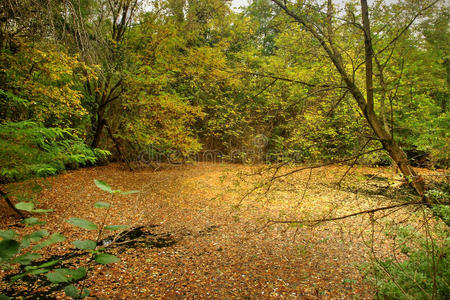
(202, 232)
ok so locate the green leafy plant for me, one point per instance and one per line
(94, 247)
(425, 272)
(29, 150)
(17, 250)
(21, 251)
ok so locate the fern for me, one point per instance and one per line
(28, 149)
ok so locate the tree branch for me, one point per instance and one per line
(368, 211)
(8, 201)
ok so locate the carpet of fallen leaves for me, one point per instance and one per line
(205, 234)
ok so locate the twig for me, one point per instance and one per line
(325, 164)
(306, 187)
(369, 211)
(353, 163)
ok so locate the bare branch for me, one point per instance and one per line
(368, 211)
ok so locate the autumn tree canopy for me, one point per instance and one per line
(320, 80)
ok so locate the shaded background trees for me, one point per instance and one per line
(192, 75)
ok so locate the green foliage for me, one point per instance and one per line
(74, 293)
(29, 206)
(105, 187)
(17, 250)
(82, 223)
(66, 275)
(104, 258)
(37, 84)
(102, 204)
(425, 271)
(31, 150)
(85, 245)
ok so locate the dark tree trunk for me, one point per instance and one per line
(98, 131)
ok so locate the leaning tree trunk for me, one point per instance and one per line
(389, 144)
(365, 104)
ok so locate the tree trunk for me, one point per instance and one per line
(117, 145)
(378, 126)
(366, 105)
(99, 128)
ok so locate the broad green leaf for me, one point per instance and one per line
(116, 227)
(41, 211)
(101, 204)
(77, 274)
(82, 223)
(71, 291)
(129, 192)
(24, 244)
(8, 248)
(103, 186)
(27, 258)
(32, 221)
(85, 245)
(8, 234)
(47, 264)
(17, 277)
(32, 272)
(105, 258)
(36, 236)
(38, 271)
(53, 239)
(4, 297)
(58, 276)
(66, 275)
(27, 206)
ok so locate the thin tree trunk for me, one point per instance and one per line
(98, 130)
(366, 105)
(395, 151)
(117, 146)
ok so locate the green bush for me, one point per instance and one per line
(16, 250)
(28, 149)
(425, 273)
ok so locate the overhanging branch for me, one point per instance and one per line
(368, 211)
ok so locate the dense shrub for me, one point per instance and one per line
(27, 149)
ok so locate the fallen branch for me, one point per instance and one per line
(8, 201)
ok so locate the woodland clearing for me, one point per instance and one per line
(200, 234)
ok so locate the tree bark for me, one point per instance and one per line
(117, 145)
(99, 128)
